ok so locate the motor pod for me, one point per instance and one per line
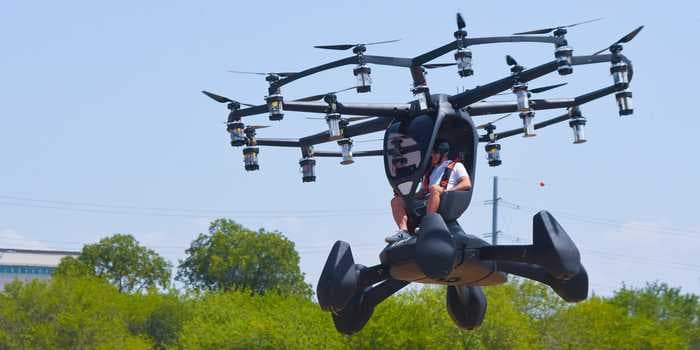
(624, 102)
(238, 137)
(620, 73)
(493, 153)
(275, 106)
(334, 130)
(364, 80)
(346, 151)
(577, 124)
(563, 55)
(250, 158)
(522, 96)
(463, 57)
(307, 165)
(528, 123)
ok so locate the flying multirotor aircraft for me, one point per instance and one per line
(439, 251)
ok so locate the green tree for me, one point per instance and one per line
(231, 257)
(122, 261)
(66, 313)
(667, 306)
(418, 319)
(241, 320)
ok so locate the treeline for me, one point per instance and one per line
(121, 298)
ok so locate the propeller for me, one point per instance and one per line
(255, 127)
(515, 67)
(320, 96)
(277, 74)
(349, 120)
(222, 99)
(537, 90)
(460, 21)
(483, 126)
(437, 65)
(249, 127)
(350, 46)
(624, 39)
(549, 30)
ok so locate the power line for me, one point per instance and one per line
(114, 206)
(201, 216)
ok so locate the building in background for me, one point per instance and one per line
(28, 264)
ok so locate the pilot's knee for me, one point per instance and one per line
(435, 188)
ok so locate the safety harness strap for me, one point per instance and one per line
(445, 177)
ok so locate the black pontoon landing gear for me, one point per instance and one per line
(551, 248)
(441, 253)
(552, 259)
(348, 290)
(466, 306)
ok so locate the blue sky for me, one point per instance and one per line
(104, 129)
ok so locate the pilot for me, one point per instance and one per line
(442, 175)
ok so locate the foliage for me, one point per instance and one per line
(239, 320)
(232, 258)
(122, 261)
(667, 306)
(66, 313)
(418, 319)
(247, 292)
(70, 312)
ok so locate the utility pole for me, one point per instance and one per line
(494, 212)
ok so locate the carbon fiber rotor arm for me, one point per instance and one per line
(577, 101)
(480, 93)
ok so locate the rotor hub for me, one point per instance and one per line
(359, 49)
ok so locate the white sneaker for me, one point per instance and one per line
(400, 235)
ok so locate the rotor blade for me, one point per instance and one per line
(216, 97)
(311, 98)
(242, 72)
(437, 65)
(601, 51)
(584, 22)
(537, 31)
(545, 88)
(254, 127)
(223, 99)
(336, 47)
(625, 39)
(511, 61)
(551, 29)
(354, 119)
(351, 119)
(281, 74)
(536, 90)
(482, 126)
(320, 96)
(460, 21)
(382, 42)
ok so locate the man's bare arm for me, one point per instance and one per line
(463, 184)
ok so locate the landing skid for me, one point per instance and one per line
(443, 254)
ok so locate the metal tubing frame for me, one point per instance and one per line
(469, 100)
